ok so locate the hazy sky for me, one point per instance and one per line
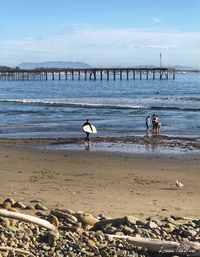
(101, 33)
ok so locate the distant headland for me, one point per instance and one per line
(53, 64)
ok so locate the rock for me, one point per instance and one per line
(3, 238)
(169, 219)
(104, 254)
(19, 205)
(13, 209)
(90, 254)
(87, 219)
(151, 225)
(128, 230)
(110, 229)
(46, 247)
(29, 207)
(119, 233)
(91, 243)
(53, 220)
(157, 221)
(79, 230)
(5, 222)
(68, 211)
(131, 219)
(41, 214)
(99, 236)
(138, 231)
(169, 228)
(190, 232)
(28, 231)
(53, 236)
(192, 223)
(10, 200)
(6, 205)
(167, 237)
(39, 206)
(66, 216)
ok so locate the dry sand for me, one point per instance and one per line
(115, 184)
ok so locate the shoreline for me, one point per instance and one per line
(115, 184)
(163, 144)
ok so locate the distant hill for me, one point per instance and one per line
(177, 67)
(5, 68)
(181, 67)
(53, 64)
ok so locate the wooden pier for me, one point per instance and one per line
(89, 73)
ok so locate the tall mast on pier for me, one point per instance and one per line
(160, 60)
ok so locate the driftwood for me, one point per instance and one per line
(64, 215)
(27, 218)
(186, 248)
(114, 222)
(15, 250)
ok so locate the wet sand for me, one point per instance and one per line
(116, 184)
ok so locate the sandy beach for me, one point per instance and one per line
(115, 184)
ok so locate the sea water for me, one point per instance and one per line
(117, 108)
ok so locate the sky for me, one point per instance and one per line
(101, 33)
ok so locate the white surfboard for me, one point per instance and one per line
(89, 129)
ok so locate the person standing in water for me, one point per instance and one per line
(87, 139)
(148, 122)
(154, 120)
(156, 124)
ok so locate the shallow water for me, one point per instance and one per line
(119, 147)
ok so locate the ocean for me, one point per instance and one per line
(48, 109)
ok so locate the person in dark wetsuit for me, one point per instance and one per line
(87, 139)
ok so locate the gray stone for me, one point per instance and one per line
(151, 225)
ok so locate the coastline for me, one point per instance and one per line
(115, 184)
(151, 142)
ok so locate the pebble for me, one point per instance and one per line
(29, 207)
(39, 206)
(53, 220)
(6, 205)
(10, 200)
(82, 234)
(19, 205)
(87, 219)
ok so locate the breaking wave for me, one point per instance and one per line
(65, 103)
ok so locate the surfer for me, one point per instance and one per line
(87, 139)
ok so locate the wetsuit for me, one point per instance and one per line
(87, 133)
